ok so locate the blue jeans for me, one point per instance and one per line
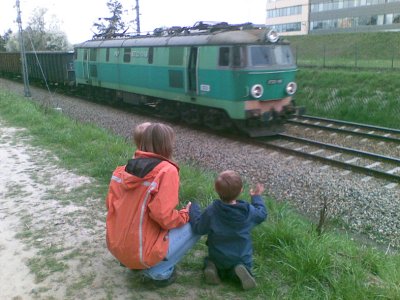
(181, 240)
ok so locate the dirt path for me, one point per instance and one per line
(52, 231)
(13, 255)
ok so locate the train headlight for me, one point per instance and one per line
(257, 91)
(291, 88)
(272, 36)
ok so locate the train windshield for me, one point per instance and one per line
(271, 55)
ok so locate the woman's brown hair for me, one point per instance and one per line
(158, 138)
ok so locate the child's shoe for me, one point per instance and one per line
(211, 273)
(247, 280)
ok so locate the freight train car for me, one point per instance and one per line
(50, 66)
(10, 64)
(220, 76)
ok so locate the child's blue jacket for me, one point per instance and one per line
(228, 227)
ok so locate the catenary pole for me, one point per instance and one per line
(27, 91)
(137, 17)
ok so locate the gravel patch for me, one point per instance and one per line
(365, 205)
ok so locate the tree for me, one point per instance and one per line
(112, 26)
(4, 39)
(40, 37)
(2, 44)
(36, 30)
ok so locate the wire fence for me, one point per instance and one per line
(349, 51)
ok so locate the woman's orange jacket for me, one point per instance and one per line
(141, 211)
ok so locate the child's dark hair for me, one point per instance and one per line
(228, 185)
(138, 133)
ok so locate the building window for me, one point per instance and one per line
(284, 11)
(289, 27)
(343, 4)
(373, 20)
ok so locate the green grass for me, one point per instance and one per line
(356, 96)
(291, 260)
(44, 266)
(366, 90)
(68, 139)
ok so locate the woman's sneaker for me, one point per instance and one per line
(159, 283)
(247, 280)
(211, 273)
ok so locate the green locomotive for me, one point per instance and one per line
(220, 76)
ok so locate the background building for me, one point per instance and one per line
(288, 16)
(294, 17)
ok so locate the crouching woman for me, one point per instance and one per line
(144, 229)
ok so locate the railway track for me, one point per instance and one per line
(370, 164)
(367, 163)
(356, 129)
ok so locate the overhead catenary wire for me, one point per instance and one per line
(42, 73)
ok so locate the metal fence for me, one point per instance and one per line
(372, 54)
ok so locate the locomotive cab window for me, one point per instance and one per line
(237, 56)
(271, 55)
(224, 53)
(261, 56)
(283, 55)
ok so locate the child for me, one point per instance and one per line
(138, 133)
(228, 223)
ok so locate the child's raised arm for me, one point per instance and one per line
(258, 190)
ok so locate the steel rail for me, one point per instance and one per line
(365, 126)
(366, 154)
(347, 131)
(338, 163)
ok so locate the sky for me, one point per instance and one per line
(76, 17)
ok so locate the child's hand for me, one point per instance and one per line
(258, 190)
(188, 205)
